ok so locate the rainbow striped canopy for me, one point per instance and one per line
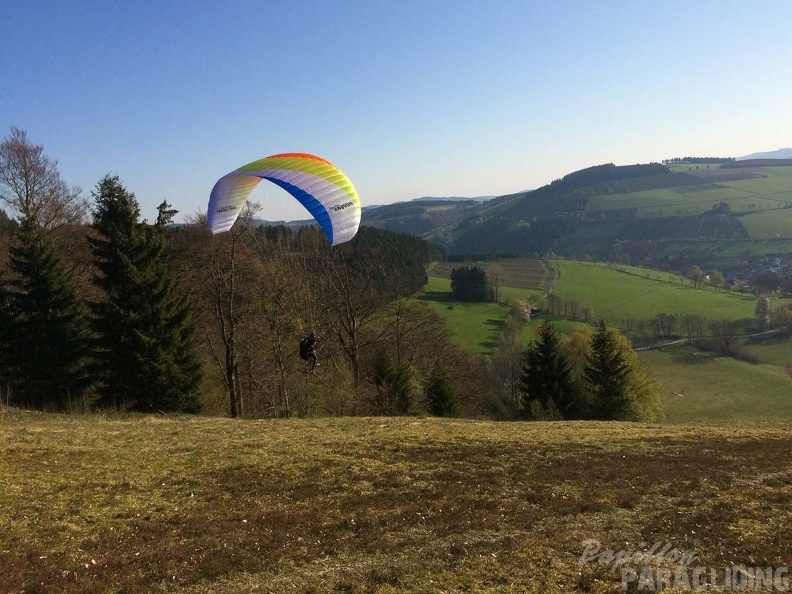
(318, 184)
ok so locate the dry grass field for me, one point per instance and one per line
(156, 504)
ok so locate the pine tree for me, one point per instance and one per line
(607, 374)
(146, 354)
(440, 396)
(8, 320)
(546, 377)
(393, 385)
(50, 331)
(469, 284)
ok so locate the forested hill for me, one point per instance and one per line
(663, 215)
(396, 262)
(538, 221)
(463, 226)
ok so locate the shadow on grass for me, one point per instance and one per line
(438, 296)
(687, 356)
(768, 340)
(495, 326)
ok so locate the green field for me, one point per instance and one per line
(616, 292)
(381, 505)
(769, 224)
(670, 202)
(717, 388)
(770, 349)
(476, 327)
(720, 254)
(770, 190)
(642, 293)
(682, 167)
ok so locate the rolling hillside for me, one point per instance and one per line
(715, 215)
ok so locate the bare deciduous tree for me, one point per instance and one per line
(353, 304)
(497, 276)
(226, 291)
(31, 185)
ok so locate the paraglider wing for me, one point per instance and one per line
(318, 184)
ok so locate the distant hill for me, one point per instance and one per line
(715, 214)
(425, 217)
(784, 153)
(719, 214)
(294, 225)
(452, 198)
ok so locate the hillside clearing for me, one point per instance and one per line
(476, 327)
(377, 504)
(719, 389)
(619, 293)
(762, 189)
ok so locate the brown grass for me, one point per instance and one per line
(375, 505)
(520, 273)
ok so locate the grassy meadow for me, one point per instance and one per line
(718, 254)
(519, 273)
(719, 389)
(616, 294)
(769, 190)
(386, 505)
(476, 327)
(628, 292)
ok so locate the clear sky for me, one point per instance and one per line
(409, 98)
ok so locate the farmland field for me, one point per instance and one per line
(476, 327)
(768, 224)
(770, 349)
(766, 189)
(521, 273)
(719, 254)
(669, 202)
(616, 293)
(642, 293)
(719, 389)
(387, 505)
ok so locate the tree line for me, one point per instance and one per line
(698, 160)
(100, 309)
(592, 374)
(127, 340)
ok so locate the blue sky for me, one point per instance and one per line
(409, 97)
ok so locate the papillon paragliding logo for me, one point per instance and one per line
(317, 184)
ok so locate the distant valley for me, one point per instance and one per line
(715, 213)
(726, 214)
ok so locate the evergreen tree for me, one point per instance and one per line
(607, 374)
(469, 284)
(50, 331)
(546, 379)
(8, 319)
(440, 396)
(146, 354)
(393, 385)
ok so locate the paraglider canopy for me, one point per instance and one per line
(316, 183)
